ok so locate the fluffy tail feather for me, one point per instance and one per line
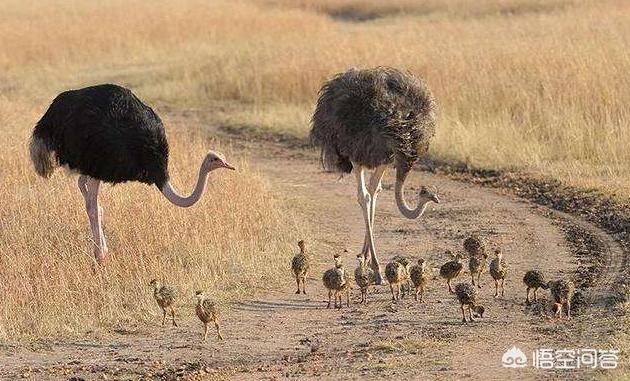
(42, 157)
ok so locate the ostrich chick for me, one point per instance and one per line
(562, 292)
(207, 312)
(335, 280)
(396, 273)
(450, 270)
(364, 277)
(165, 298)
(418, 277)
(534, 279)
(476, 266)
(300, 266)
(475, 248)
(406, 286)
(498, 271)
(467, 296)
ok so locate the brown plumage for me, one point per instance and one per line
(396, 273)
(405, 286)
(165, 297)
(476, 250)
(476, 266)
(562, 292)
(467, 296)
(534, 279)
(474, 245)
(450, 270)
(207, 312)
(363, 277)
(300, 265)
(336, 281)
(419, 278)
(498, 271)
(373, 117)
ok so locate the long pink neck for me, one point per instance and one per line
(186, 201)
(399, 191)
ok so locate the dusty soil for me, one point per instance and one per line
(277, 334)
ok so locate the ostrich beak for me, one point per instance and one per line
(228, 166)
(435, 198)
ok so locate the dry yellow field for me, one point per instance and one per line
(538, 86)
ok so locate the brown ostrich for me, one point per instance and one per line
(370, 119)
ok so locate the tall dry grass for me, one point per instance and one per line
(541, 86)
(234, 240)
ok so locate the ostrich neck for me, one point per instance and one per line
(402, 203)
(186, 201)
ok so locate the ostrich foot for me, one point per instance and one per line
(100, 256)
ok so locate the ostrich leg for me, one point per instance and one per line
(374, 188)
(91, 206)
(364, 200)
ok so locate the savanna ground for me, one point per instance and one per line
(527, 87)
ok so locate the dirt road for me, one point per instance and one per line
(278, 334)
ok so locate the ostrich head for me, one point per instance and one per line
(427, 195)
(361, 259)
(154, 284)
(215, 160)
(421, 262)
(301, 245)
(200, 295)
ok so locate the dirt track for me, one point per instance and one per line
(279, 334)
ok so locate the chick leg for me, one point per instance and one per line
(173, 316)
(216, 325)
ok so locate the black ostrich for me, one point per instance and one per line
(369, 119)
(105, 133)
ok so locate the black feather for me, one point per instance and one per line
(107, 133)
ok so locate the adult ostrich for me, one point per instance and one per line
(106, 134)
(368, 120)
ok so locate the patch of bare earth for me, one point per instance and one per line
(278, 334)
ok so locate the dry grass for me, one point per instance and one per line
(236, 238)
(541, 86)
